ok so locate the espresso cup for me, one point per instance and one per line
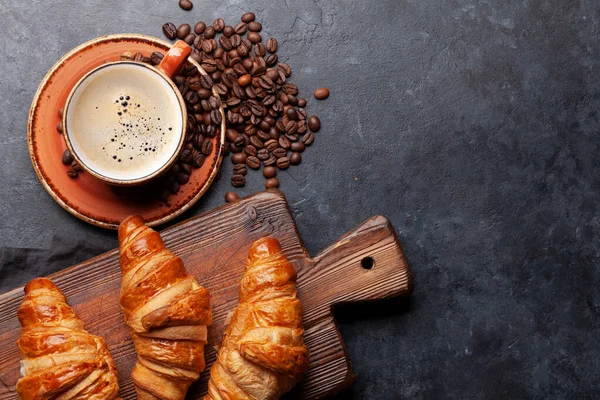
(125, 122)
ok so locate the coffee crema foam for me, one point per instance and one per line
(124, 121)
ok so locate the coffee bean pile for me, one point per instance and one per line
(203, 124)
(267, 123)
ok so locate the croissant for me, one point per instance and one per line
(61, 359)
(167, 313)
(262, 355)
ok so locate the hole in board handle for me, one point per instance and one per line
(367, 263)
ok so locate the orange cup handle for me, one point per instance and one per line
(175, 58)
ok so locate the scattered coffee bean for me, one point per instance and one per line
(283, 163)
(72, 173)
(231, 197)
(186, 5)
(183, 178)
(157, 57)
(228, 31)
(269, 172)
(59, 127)
(272, 183)
(238, 158)
(272, 45)
(67, 159)
(248, 17)
(189, 39)
(314, 123)
(238, 180)
(308, 138)
(219, 24)
(240, 169)
(254, 37)
(297, 147)
(75, 166)
(253, 162)
(170, 30)
(321, 93)
(183, 31)
(199, 28)
(254, 26)
(295, 158)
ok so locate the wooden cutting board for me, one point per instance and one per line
(214, 246)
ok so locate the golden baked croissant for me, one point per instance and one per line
(61, 359)
(167, 313)
(262, 355)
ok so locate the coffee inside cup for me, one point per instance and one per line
(124, 122)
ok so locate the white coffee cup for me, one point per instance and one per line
(125, 122)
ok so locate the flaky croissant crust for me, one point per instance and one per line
(61, 359)
(262, 355)
(167, 313)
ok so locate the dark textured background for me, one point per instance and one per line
(472, 125)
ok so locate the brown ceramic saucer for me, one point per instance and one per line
(86, 197)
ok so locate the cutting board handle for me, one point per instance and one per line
(365, 264)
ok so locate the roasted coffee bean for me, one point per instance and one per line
(291, 128)
(250, 150)
(272, 183)
(253, 162)
(198, 159)
(292, 136)
(250, 92)
(314, 123)
(182, 178)
(280, 125)
(185, 168)
(206, 82)
(189, 39)
(216, 117)
(271, 144)
(264, 125)
(183, 31)
(186, 5)
(254, 37)
(301, 113)
(238, 180)
(262, 135)
(272, 45)
(225, 43)
(231, 197)
(216, 76)
(290, 89)
(321, 93)
(210, 32)
(59, 127)
(283, 163)
(199, 28)
(67, 159)
(61, 112)
(308, 138)
(235, 149)
(191, 97)
(250, 130)
(272, 60)
(127, 56)
(302, 128)
(297, 147)
(219, 24)
(269, 172)
(256, 142)
(254, 26)
(263, 154)
(295, 158)
(283, 67)
(241, 28)
(186, 156)
(157, 57)
(240, 141)
(221, 89)
(301, 102)
(163, 195)
(233, 102)
(247, 63)
(214, 102)
(260, 50)
(207, 147)
(174, 187)
(280, 152)
(209, 66)
(206, 46)
(203, 93)
(239, 158)
(238, 69)
(76, 167)
(240, 169)
(72, 173)
(228, 31)
(272, 160)
(244, 80)
(248, 17)
(272, 74)
(231, 135)
(292, 113)
(170, 30)
(266, 82)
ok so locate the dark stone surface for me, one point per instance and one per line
(472, 125)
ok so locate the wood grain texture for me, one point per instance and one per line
(214, 247)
